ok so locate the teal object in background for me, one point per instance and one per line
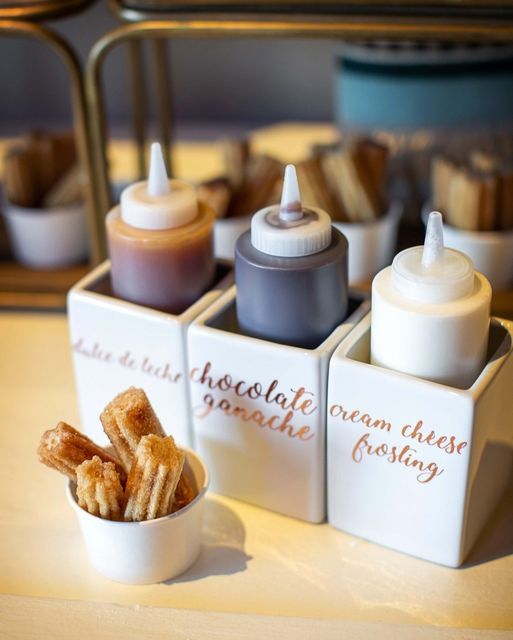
(417, 88)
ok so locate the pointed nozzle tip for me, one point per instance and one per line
(290, 197)
(434, 240)
(435, 216)
(158, 181)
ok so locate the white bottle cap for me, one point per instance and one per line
(288, 230)
(433, 273)
(158, 203)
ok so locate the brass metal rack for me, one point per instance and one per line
(23, 19)
(159, 20)
(19, 287)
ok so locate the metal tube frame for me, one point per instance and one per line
(139, 105)
(164, 103)
(346, 28)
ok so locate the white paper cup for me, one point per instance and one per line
(47, 238)
(490, 251)
(151, 551)
(372, 245)
(226, 234)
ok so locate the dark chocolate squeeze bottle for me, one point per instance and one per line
(291, 272)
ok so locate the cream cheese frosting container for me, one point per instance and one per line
(415, 465)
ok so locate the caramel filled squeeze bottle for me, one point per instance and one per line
(291, 272)
(160, 241)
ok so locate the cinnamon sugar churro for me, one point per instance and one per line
(217, 193)
(157, 484)
(64, 448)
(356, 174)
(475, 195)
(185, 492)
(261, 174)
(128, 418)
(99, 489)
(153, 478)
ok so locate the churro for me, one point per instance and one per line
(64, 448)
(442, 173)
(128, 418)
(314, 188)
(217, 193)
(506, 198)
(151, 485)
(262, 173)
(360, 194)
(236, 155)
(185, 492)
(99, 489)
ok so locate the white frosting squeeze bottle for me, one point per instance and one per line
(431, 313)
(160, 242)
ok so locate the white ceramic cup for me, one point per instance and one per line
(226, 234)
(372, 245)
(490, 251)
(47, 238)
(151, 551)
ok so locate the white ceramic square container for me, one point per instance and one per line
(414, 465)
(117, 344)
(259, 413)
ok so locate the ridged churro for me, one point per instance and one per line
(64, 448)
(185, 492)
(128, 418)
(217, 193)
(261, 174)
(151, 485)
(99, 489)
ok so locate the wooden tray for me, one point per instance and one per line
(24, 288)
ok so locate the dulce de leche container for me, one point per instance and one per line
(160, 242)
(291, 272)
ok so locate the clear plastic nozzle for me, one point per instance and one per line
(433, 273)
(290, 206)
(158, 203)
(433, 252)
(158, 181)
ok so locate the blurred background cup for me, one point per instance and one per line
(490, 251)
(372, 245)
(226, 234)
(47, 238)
(43, 200)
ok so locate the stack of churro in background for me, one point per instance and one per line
(346, 180)
(356, 174)
(144, 480)
(41, 171)
(476, 195)
(249, 182)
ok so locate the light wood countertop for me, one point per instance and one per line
(260, 575)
